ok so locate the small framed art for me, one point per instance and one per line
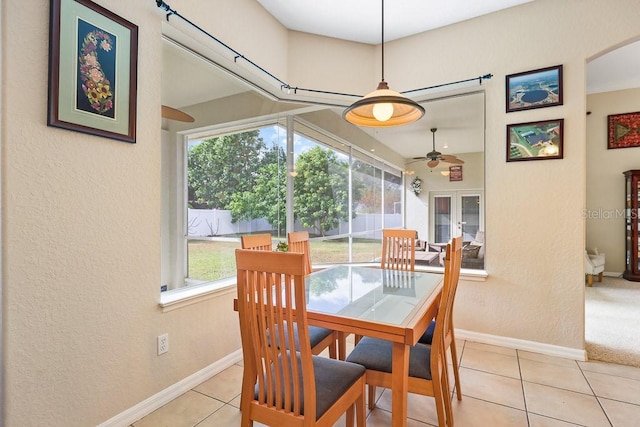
(92, 70)
(535, 140)
(455, 173)
(623, 130)
(534, 89)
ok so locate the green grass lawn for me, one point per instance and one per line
(213, 260)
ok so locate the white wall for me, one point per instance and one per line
(605, 181)
(81, 254)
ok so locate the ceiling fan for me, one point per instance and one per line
(434, 157)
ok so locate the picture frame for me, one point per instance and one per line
(542, 140)
(534, 89)
(93, 56)
(623, 130)
(455, 173)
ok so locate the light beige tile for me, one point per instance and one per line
(492, 388)
(184, 411)
(472, 412)
(621, 414)
(489, 347)
(224, 386)
(419, 408)
(540, 421)
(566, 377)
(381, 418)
(612, 387)
(227, 416)
(547, 359)
(490, 361)
(564, 405)
(611, 369)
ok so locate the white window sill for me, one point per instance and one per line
(185, 296)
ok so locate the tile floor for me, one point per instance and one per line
(500, 386)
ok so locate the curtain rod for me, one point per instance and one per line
(284, 85)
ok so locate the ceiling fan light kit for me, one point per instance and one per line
(383, 107)
(435, 157)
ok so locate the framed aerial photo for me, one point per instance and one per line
(534, 89)
(623, 130)
(92, 70)
(535, 141)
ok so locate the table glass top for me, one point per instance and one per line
(368, 293)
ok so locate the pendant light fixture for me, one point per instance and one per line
(383, 107)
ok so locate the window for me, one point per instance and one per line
(236, 181)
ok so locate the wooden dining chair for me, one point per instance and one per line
(321, 338)
(449, 335)
(398, 249)
(282, 387)
(428, 373)
(257, 242)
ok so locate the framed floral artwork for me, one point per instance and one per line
(92, 70)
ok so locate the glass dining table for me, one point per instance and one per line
(393, 305)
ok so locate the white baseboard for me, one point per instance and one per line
(518, 344)
(165, 396)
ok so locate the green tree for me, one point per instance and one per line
(222, 166)
(321, 190)
(267, 198)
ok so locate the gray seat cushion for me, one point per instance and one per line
(333, 379)
(375, 354)
(316, 335)
(427, 337)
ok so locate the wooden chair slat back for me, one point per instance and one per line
(271, 298)
(257, 242)
(398, 249)
(299, 242)
(452, 262)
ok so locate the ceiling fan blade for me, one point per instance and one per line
(456, 161)
(447, 157)
(175, 114)
(420, 158)
(432, 163)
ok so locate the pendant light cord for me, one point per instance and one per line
(382, 44)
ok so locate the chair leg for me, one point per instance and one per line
(350, 416)
(454, 357)
(600, 277)
(589, 279)
(372, 397)
(361, 412)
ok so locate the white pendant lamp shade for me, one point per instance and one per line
(383, 108)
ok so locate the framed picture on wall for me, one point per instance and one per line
(92, 70)
(623, 130)
(534, 89)
(535, 140)
(455, 173)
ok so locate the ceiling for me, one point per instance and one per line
(460, 120)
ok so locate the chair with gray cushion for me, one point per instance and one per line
(279, 386)
(593, 265)
(427, 363)
(449, 336)
(320, 338)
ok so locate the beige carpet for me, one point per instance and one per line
(612, 312)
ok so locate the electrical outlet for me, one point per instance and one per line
(163, 344)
